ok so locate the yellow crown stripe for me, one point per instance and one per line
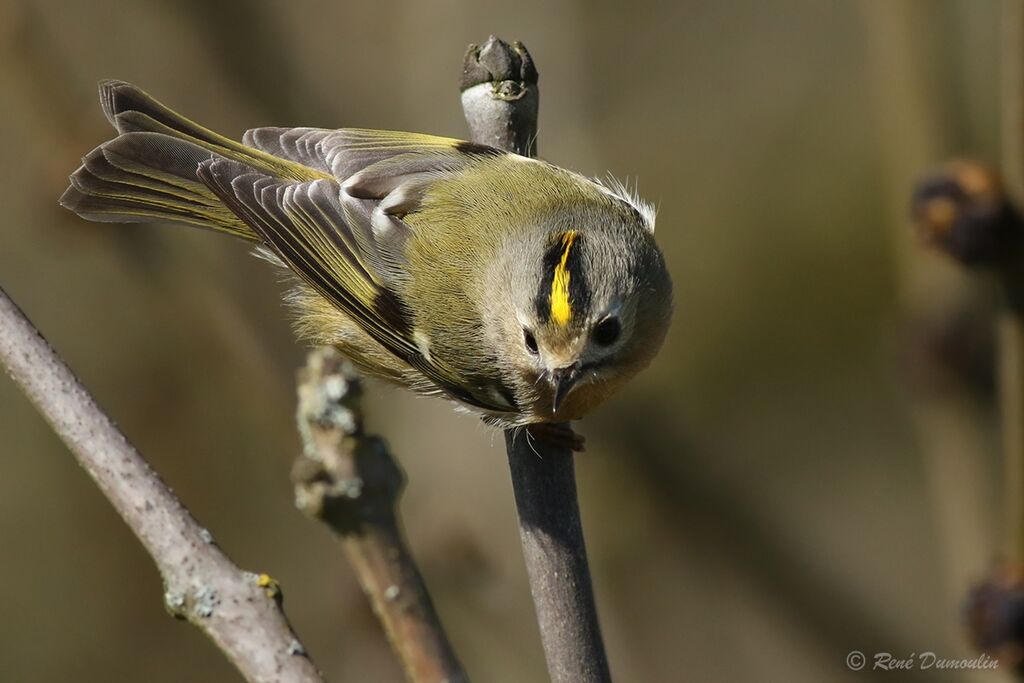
(561, 306)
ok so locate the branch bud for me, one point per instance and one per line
(995, 616)
(963, 209)
(500, 96)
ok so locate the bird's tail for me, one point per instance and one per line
(148, 172)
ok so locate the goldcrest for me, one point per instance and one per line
(524, 292)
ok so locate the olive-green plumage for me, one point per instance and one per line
(525, 292)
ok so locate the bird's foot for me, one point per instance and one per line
(560, 435)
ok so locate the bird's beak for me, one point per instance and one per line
(562, 381)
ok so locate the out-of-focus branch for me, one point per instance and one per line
(974, 215)
(996, 606)
(1011, 320)
(964, 210)
(500, 100)
(239, 611)
(349, 480)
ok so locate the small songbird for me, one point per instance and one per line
(524, 292)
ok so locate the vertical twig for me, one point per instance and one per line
(974, 215)
(500, 100)
(238, 610)
(350, 481)
(952, 444)
(1011, 324)
(544, 482)
(1011, 406)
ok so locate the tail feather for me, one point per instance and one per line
(129, 109)
(139, 177)
(149, 171)
(119, 97)
(129, 160)
(121, 210)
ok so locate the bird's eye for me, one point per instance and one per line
(530, 341)
(607, 331)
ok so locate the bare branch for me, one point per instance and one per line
(238, 610)
(349, 480)
(1010, 362)
(544, 481)
(499, 97)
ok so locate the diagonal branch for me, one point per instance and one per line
(239, 611)
(349, 480)
(500, 100)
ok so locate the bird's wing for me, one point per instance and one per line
(344, 152)
(383, 177)
(309, 228)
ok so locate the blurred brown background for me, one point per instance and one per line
(809, 468)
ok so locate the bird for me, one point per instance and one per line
(525, 293)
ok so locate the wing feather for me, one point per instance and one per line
(384, 176)
(304, 224)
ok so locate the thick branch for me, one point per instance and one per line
(543, 476)
(349, 480)
(544, 482)
(238, 610)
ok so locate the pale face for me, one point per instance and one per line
(576, 316)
